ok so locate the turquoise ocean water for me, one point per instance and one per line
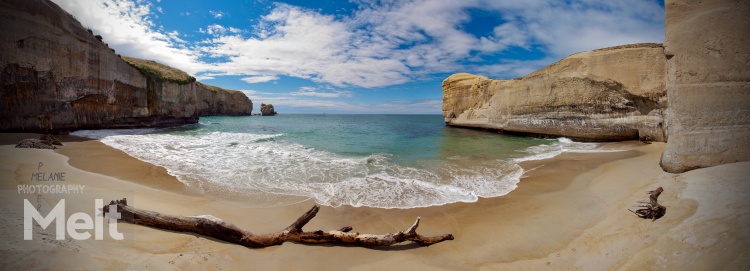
(384, 161)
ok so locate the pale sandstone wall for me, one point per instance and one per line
(608, 94)
(708, 49)
(56, 76)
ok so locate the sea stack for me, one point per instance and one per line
(267, 110)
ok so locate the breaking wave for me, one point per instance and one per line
(262, 170)
(248, 163)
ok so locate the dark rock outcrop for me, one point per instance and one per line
(33, 143)
(55, 76)
(267, 110)
(216, 101)
(51, 140)
(45, 142)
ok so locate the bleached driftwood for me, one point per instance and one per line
(217, 228)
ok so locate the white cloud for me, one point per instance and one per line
(313, 92)
(217, 14)
(510, 68)
(286, 102)
(203, 77)
(291, 104)
(214, 29)
(383, 43)
(218, 30)
(175, 36)
(260, 79)
(127, 27)
(585, 25)
(306, 44)
(390, 43)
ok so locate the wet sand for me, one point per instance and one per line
(568, 213)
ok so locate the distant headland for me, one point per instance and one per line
(58, 76)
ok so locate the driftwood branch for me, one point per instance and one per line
(651, 209)
(217, 228)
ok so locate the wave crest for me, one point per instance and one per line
(224, 163)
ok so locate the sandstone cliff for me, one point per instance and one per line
(216, 101)
(608, 94)
(708, 85)
(57, 76)
(180, 91)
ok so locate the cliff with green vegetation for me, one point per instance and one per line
(56, 76)
(159, 71)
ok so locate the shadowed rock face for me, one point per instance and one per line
(56, 76)
(216, 101)
(706, 45)
(608, 94)
(267, 110)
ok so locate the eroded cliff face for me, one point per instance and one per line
(608, 94)
(706, 44)
(216, 101)
(56, 76)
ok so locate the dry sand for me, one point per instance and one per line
(568, 213)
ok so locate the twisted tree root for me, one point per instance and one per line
(652, 209)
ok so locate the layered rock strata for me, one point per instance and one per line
(57, 76)
(708, 62)
(608, 94)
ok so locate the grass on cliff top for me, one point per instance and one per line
(160, 71)
(218, 89)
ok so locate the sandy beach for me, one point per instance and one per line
(568, 213)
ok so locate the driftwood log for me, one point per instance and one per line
(211, 226)
(651, 209)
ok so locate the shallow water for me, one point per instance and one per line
(384, 161)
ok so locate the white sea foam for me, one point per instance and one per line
(559, 146)
(99, 134)
(249, 164)
(266, 168)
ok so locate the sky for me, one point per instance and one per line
(361, 56)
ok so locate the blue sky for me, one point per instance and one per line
(361, 56)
